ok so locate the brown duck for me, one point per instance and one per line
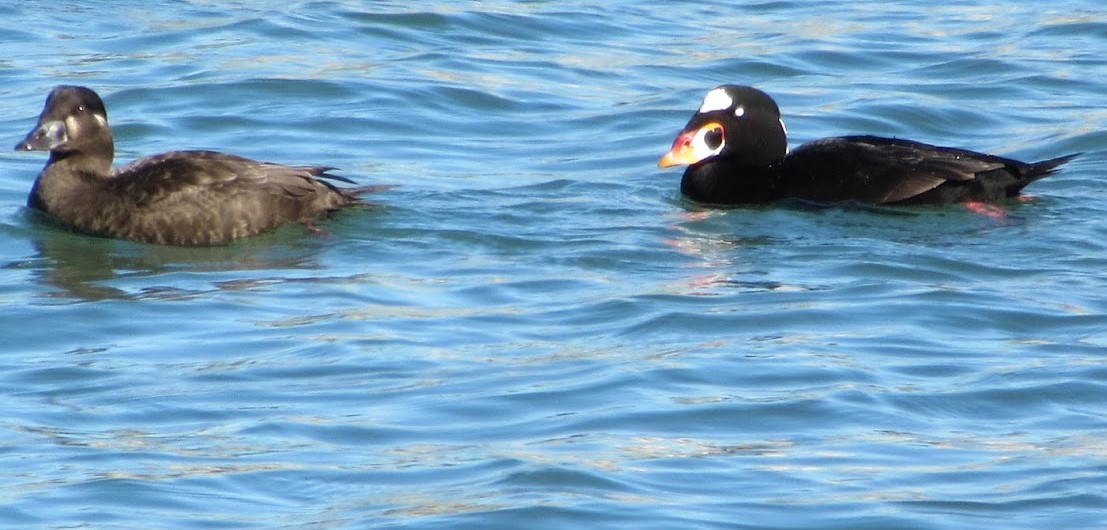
(175, 198)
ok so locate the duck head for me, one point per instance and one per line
(73, 119)
(736, 122)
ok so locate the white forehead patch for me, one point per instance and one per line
(716, 100)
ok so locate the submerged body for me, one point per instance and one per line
(175, 198)
(736, 151)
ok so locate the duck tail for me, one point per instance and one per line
(1044, 168)
(354, 196)
(365, 190)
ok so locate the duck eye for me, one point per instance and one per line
(80, 108)
(713, 138)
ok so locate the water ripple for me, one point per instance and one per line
(533, 329)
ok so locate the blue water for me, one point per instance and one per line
(534, 330)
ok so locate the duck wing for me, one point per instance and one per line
(205, 197)
(206, 177)
(884, 170)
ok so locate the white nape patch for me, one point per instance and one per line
(785, 129)
(739, 111)
(717, 99)
(101, 120)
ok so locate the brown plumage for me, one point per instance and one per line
(175, 198)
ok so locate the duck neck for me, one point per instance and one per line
(729, 182)
(69, 178)
(96, 163)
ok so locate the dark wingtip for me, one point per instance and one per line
(331, 176)
(324, 172)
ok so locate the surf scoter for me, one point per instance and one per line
(736, 151)
(175, 198)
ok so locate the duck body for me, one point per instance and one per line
(177, 198)
(736, 153)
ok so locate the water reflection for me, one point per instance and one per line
(85, 268)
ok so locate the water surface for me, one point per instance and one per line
(534, 330)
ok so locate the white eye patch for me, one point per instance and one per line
(717, 99)
(709, 141)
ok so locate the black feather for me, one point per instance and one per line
(868, 169)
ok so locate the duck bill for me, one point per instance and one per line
(46, 137)
(686, 151)
(682, 153)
